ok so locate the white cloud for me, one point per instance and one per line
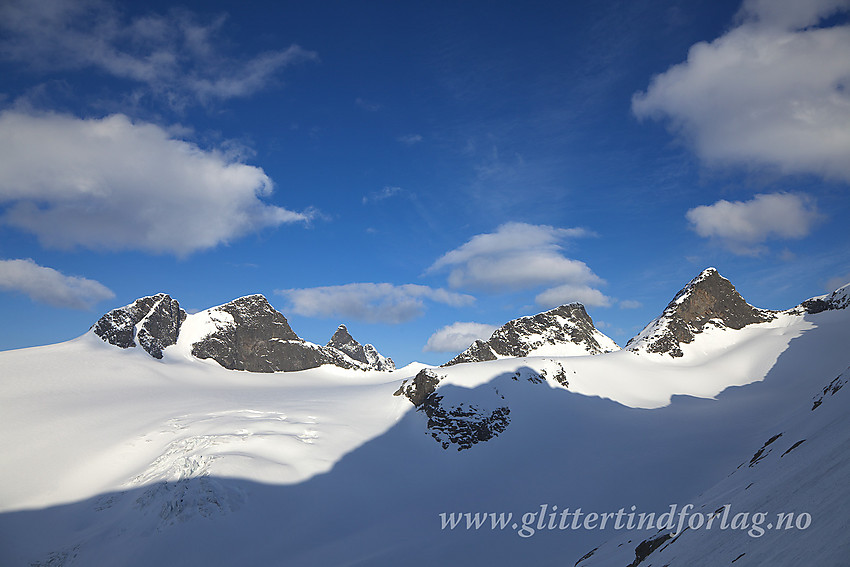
(770, 92)
(790, 14)
(457, 336)
(47, 285)
(630, 304)
(744, 225)
(410, 139)
(371, 302)
(115, 184)
(570, 293)
(516, 256)
(177, 56)
(384, 193)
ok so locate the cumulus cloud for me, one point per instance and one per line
(50, 286)
(178, 56)
(742, 226)
(516, 256)
(457, 336)
(115, 184)
(773, 91)
(371, 302)
(570, 293)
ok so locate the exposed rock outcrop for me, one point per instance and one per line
(564, 331)
(708, 299)
(152, 322)
(244, 334)
(365, 354)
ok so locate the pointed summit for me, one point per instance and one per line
(365, 354)
(564, 331)
(249, 334)
(709, 298)
(152, 322)
(342, 340)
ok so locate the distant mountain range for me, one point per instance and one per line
(161, 437)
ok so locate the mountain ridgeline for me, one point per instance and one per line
(564, 331)
(244, 334)
(249, 334)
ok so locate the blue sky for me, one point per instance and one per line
(422, 171)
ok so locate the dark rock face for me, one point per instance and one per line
(478, 351)
(158, 318)
(342, 340)
(838, 299)
(568, 323)
(366, 354)
(249, 334)
(259, 339)
(423, 385)
(707, 299)
(463, 425)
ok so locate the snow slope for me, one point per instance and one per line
(111, 457)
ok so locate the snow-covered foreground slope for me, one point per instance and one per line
(111, 457)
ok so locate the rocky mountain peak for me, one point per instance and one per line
(152, 322)
(343, 341)
(244, 334)
(566, 330)
(365, 354)
(709, 298)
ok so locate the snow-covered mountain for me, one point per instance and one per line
(244, 334)
(709, 300)
(564, 331)
(114, 457)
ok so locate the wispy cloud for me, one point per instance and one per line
(371, 302)
(630, 304)
(50, 286)
(772, 91)
(177, 56)
(384, 193)
(743, 226)
(410, 139)
(367, 105)
(114, 184)
(457, 336)
(838, 281)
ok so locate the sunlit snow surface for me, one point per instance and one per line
(110, 457)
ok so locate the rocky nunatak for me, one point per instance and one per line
(707, 300)
(244, 334)
(461, 425)
(567, 328)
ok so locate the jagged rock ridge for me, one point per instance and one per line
(564, 331)
(708, 299)
(244, 334)
(838, 299)
(254, 336)
(152, 322)
(366, 354)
